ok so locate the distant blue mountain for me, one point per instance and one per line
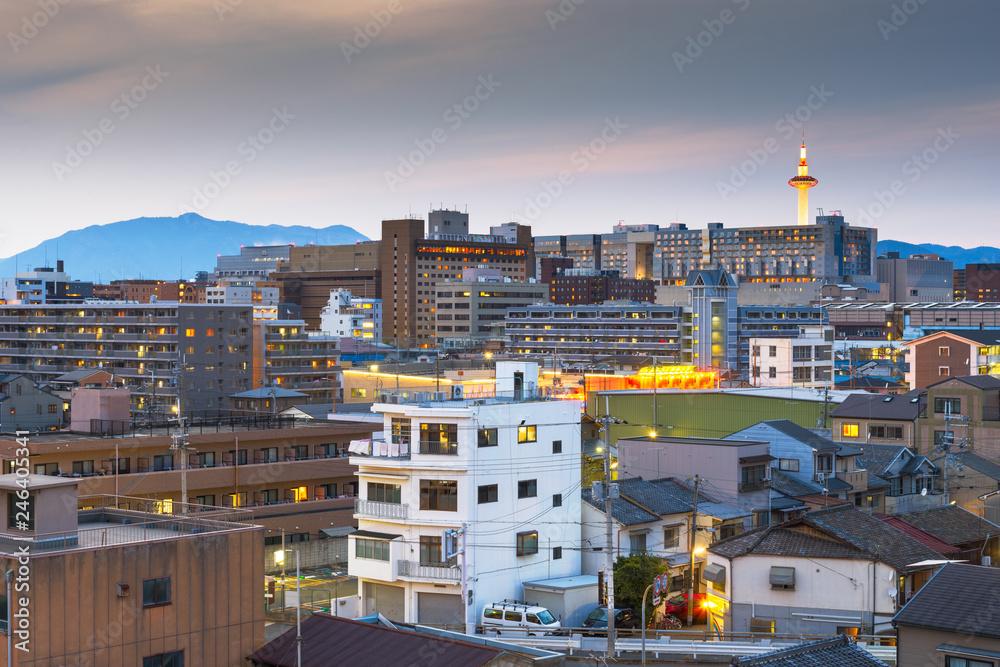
(959, 256)
(162, 248)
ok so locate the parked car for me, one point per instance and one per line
(518, 617)
(678, 606)
(625, 619)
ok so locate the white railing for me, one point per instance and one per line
(416, 570)
(379, 510)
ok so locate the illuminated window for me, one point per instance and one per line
(189, 333)
(849, 430)
(301, 493)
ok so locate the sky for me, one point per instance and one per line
(568, 115)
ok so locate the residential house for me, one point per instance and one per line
(971, 479)
(977, 539)
(887, 420)
(505, 470)
(966, 634)
(945, 354)
(779, 578)
(968, 408)
(735, 470)
(911, 477)
(839, 652)
(25, 407)
(655, 518)
(828, 468)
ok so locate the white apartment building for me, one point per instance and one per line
(507, 469)
(348, 316)
(802, 361)
(241, 292)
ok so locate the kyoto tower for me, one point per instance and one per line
(802, 183)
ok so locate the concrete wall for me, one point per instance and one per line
(215, 614)
(748, 593)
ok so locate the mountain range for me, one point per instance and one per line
(162, 248)
(171, 248)
(958, 255)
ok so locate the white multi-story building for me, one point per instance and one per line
(242, 292)
(350, 316)
(802, 361)
(506, 469)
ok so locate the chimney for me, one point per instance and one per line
(59, 265)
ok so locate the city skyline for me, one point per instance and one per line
(568, 116)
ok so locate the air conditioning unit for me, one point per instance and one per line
(419, 397)
(440, 396)
(457, 391)
(987, 561)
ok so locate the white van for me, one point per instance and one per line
(518, 617)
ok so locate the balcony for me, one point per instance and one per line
(754, 486)
(373, 509)
(438, 447)
(416, 570)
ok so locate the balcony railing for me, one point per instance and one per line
(374, 509)
(438, 447)
(417, 570)
(755, 486)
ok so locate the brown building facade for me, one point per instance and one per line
(110, 586)
(298, 478)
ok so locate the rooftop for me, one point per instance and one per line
(781, 541)
(877, 406)
(839, 652)
(888, 544)
(107, 526)
(376, 642)
(952, 524)
(975, 586)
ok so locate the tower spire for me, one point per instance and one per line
(802, 182)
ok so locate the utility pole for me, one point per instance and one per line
(610, 492)
(693, 531)
(656, 423)
(180, 446)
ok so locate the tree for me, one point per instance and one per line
(632, 574)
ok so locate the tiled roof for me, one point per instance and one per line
(979, 464)
(976, 587)
(327, 640)
(721, 511)
(977, 381)
(824, 500)
(779, 541)
(790, 486)
(876, 482)
(622, 511)
(877, 458)
(890, 545)
(839, 652)
(911, 466)
(921, 536)
(836, 484)
(875, 406)
(804, 435)
(951, 523)
(653, 497)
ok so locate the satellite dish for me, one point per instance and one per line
(923, 491)
(893, 593)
